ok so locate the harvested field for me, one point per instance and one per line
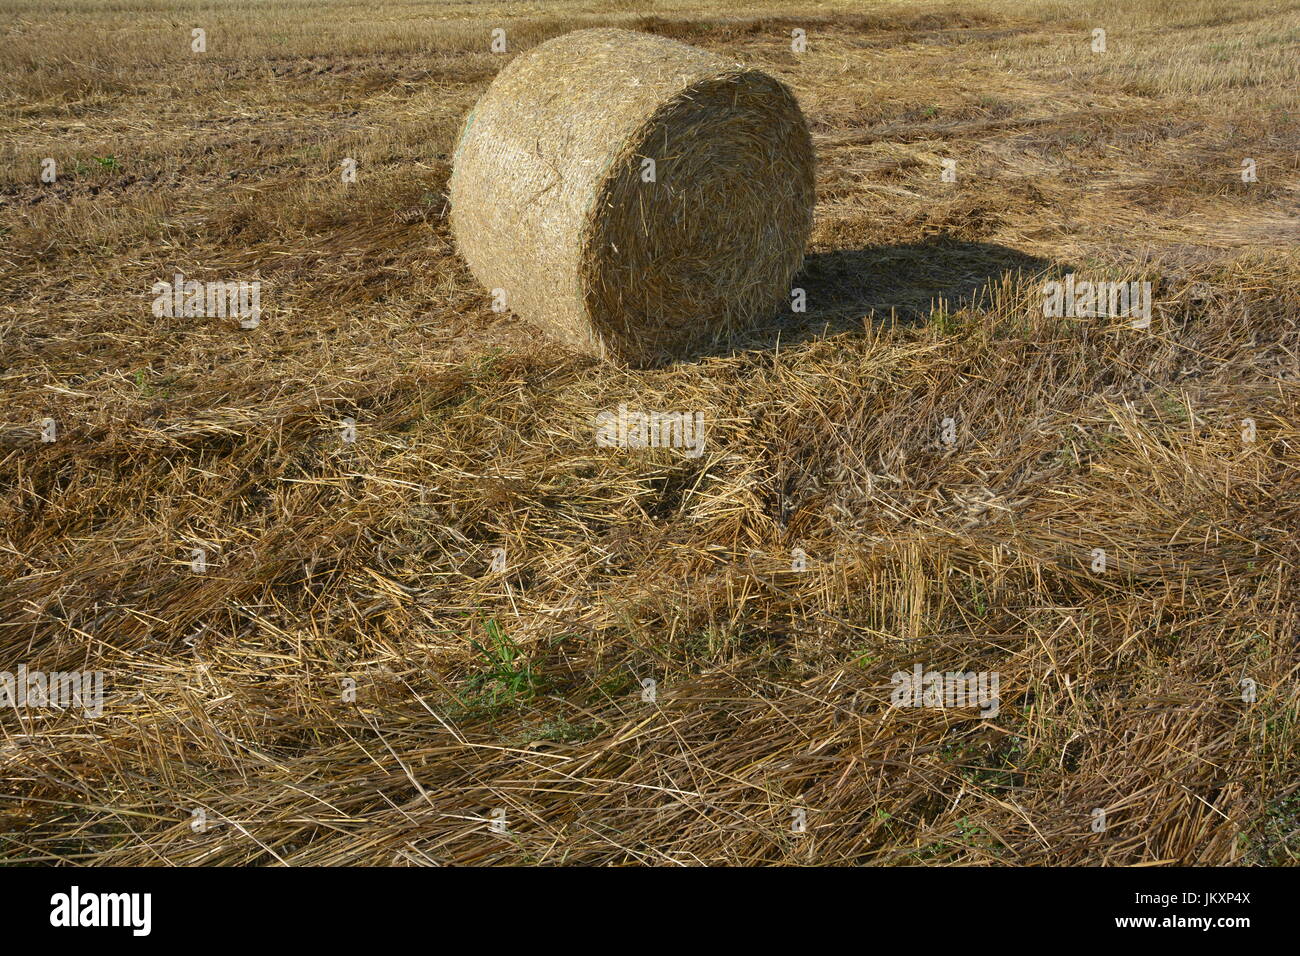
(378, 575)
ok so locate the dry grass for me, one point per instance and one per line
(480, 689)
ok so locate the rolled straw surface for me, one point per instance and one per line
(633, 196)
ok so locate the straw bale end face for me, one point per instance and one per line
(632, 196)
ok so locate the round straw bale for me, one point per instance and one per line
(633, 196)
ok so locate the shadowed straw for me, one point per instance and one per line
(555, 204)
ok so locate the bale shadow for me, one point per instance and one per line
(902, 283)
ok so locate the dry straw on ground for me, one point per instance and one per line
(369, 564)
(554, 203)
